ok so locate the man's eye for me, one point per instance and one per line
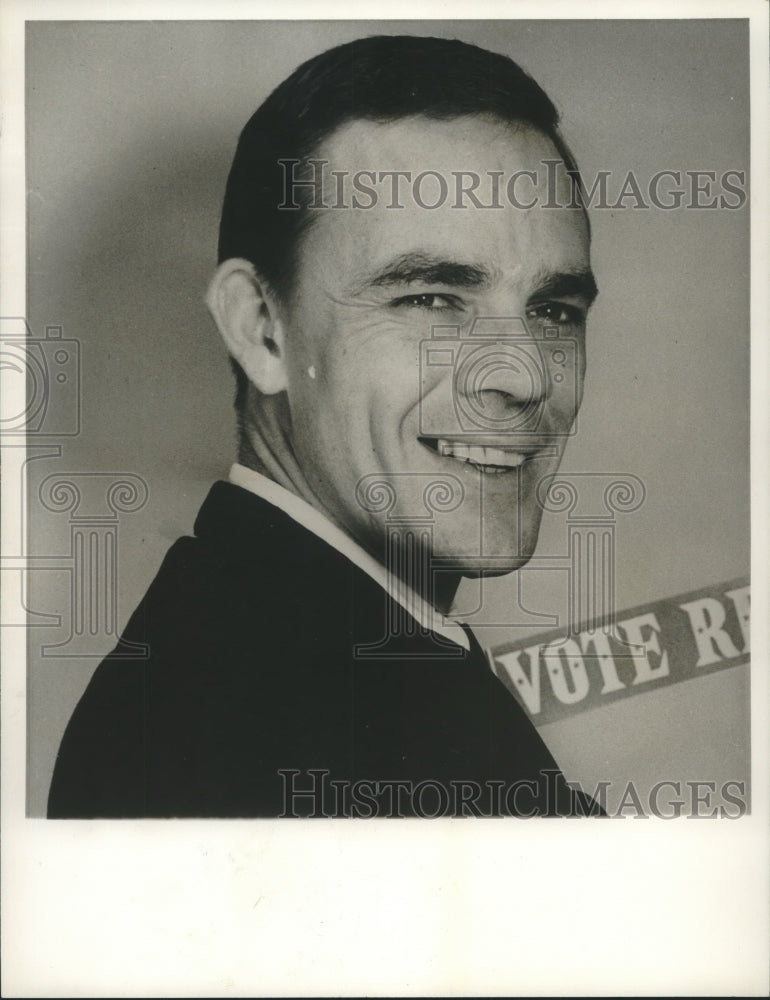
(431, 301)
(556, 313)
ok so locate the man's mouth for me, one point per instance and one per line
(490, 459)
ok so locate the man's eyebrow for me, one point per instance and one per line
(578, 284)
(414, 267)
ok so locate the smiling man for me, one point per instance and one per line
(403, 286)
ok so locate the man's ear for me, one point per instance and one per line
(247, 318)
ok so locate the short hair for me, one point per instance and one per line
(381, 79)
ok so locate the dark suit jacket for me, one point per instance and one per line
(251, 681)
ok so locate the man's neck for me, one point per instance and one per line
(258, 427)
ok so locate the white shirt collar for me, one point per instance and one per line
(306, 515)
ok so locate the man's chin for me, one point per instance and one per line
(498, 552)
(475, 567)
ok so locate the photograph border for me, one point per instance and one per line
(147, 908)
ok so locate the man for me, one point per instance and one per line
(397, 413)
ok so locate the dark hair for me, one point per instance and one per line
(380, 79)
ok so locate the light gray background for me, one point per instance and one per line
(131, 129)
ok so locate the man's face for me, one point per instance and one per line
(459, 439)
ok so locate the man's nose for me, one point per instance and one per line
(504, 378)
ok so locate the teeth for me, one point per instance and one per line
(480, 455)
(496, 456)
